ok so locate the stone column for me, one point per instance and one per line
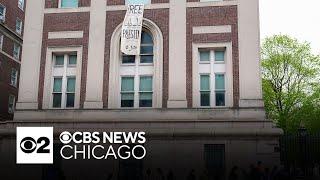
(177, 54)
(31, 55)
(94, 89)
(249, 54)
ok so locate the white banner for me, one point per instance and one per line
(131, 30)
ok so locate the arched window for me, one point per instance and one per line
(136, 81)
(137, 76)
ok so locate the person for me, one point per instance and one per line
(191, 175)
(159, 175)
(170, 175)
(205, 175)
(148, 175)
(234, 174)
(316, 172)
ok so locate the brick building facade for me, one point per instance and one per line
(11, 34)
(196, 84)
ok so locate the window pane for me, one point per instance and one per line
(138, 1)
(205, 98)
(11, 103)
(219, 56)
(70, 100)
(128, 59)
(204, 55)
(69, 3)
(145, 100)
(14, 73)
(1, 10)
(72, 59)
(56, 100)
(146, 83)
(146, 49)
(220, 98)
(57, 85)
(71, 84)
(220, 85)
(146, 59)
(127, 99)
(127, 84)
(146, 38)
(205, 83)
(59, 60)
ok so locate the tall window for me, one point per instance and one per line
(137, 76)
(19, 26)
(1, 41)
(16, 51)
(220, 89)
(138, 1)
(2, 13)
(14, 77)
(11, 103)
(205, 90)
(69, 3)
(212, 77)
(21, 4)
(64, 81)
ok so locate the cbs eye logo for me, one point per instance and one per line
(29, 145)
(34, 145)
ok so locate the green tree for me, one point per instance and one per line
(290, 83)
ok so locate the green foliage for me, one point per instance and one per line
(291, 83)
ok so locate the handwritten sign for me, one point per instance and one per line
(131, 30)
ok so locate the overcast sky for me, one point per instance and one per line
(297, 18)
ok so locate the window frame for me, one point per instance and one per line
(11, 109)
(14, 82)
(21, 4)
(140, 91)
(1, 41)
(16, 56)
(127, 92)
(60, 5)
(4, 12)
(146, 3)
(19, 31)
(220, 90)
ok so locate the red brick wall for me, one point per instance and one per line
(213, 16)
(122, 2)
(55, 3)
(65, 22)
(159, 17)
(6, 64)
(12, 13)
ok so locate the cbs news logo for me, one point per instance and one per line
(34, 145)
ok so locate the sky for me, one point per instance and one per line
(297, 18)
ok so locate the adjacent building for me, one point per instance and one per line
(196, 86)
(11, 37)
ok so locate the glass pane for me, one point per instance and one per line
(128, 59)
(70, 100)
(204, 55)
(1, 10)
(205, 98)
(69, 3)
(71, 84)
(145, 100)
(205, 83)
(220, 98)
(146, 83)
(56, 100)
(13, 76)
(127, 100)
(59, 60)
(57, 85)
(220, 82)
(146, 38)
(72, 59)
(138, 1)
(146, 49)
(219, 55)
(146, 59)
(127, 84)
